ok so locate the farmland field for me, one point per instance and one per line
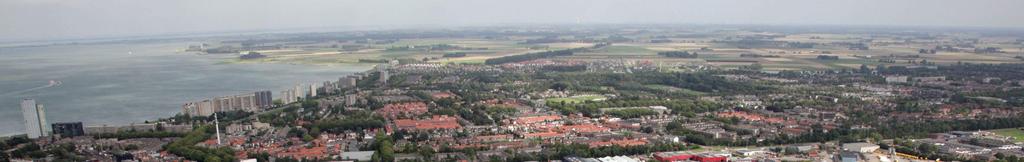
(1016, 133)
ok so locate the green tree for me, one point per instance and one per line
(385, 148)
(386, 151)
(212, 158)
(307, 137)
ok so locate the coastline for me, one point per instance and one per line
(112, 88)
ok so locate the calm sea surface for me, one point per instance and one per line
(133, 82)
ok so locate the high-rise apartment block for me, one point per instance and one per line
(35, 119)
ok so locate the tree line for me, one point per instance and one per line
(592, 109)
(678, 54)
(631, 113)
(455, 54)
(348, 124)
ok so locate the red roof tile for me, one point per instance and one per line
(536, 119)
(437, 122)
(584, 128)
(395, 110)
(543, 135)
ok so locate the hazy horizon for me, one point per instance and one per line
(71, 19)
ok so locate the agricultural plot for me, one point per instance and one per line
(1016, 133)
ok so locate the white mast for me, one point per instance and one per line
(216, 125)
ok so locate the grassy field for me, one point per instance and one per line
(576, 99)
(1016, 133)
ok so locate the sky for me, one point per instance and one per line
(78, 19)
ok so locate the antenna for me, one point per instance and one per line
(216, 125)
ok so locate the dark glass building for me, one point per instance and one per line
(69, 129)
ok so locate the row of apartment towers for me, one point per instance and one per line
(249, 102)
(252, 102)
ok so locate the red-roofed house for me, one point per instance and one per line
(526, 120)
(710, 158)
(440, 95)
(303, 152)
(623, 142)
(407, 109)
(493, 138)
(583, 128)
(543, 135)
(437, 122)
